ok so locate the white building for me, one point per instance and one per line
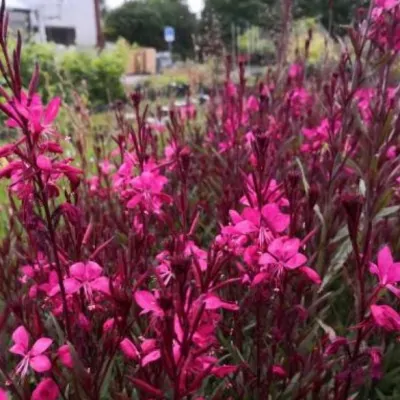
(67, 22)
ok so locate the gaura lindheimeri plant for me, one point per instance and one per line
(247, 250)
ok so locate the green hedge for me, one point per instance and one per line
(97, 75)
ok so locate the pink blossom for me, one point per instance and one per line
(387, 4)
(44, 163)
(147, 190)
(46, 390)
(129, 349)
(3, 394)
(147, 301)
(279, 371)
(65, 356)
(213, 302)
(224, 370)
(231, 89)
(387, 271)
(106, 167)
(33, 356)
(284, 252)
(295, 71)
(86, 276)
(385, 317)
(265, 224)
(252, 104)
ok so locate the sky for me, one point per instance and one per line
(195, 5)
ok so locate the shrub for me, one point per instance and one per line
(78, 69)
(251, 254)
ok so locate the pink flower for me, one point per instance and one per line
(187, 111)
(106, 167)
(148, 191)
(31, 357)
(46, 390)
(64, 354)
(213, 302)
(376, 362)
(129, 349)
(220, 371)
(284, 252)
(86, 276)
(387, 271)
(295, 71)
(44, 163)
(279, 371)
(40, 119)
(231, 89)
(148, 302)
(387, 4)
(266, 223)
(252, 104)
(3, 394)
(385, 317)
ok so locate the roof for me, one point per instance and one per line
(17, 5)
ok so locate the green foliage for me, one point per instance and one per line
(46, 55)
(143, 23)
(258, 44)
(267, 13)
(322, 45)
(61, 70)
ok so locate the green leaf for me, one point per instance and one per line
(342, 234)
(387, 212)
(106, 383)
(341, 256)
(303, 176)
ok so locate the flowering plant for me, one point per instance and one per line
(258, 259)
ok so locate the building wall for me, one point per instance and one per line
(78, 14)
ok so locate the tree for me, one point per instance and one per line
(143, 22)
(266, 13)
(342, 10)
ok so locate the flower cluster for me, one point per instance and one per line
(249, 254)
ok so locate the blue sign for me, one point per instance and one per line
(169, 34)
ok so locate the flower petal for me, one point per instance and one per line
(385, 261)
(311, 274)
(267, 259)
(52, 110)
(78, 271)
(92, 270)
(245, 227)
(129, 349)
(21, 337)
(40, 363)
(71, 285)
(296, 261)
(40, 346)
(101, 284)
(18, 349)
(151, 357)
(65, 356)
(46, 390)
(44, 163)
(134, 201)
(213, 302)
(276, 220)
(3, 395)
(148, 302)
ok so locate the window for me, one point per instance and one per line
(65, 36)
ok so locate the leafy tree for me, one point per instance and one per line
(266, 13)
(143, 22)
(342, 10)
